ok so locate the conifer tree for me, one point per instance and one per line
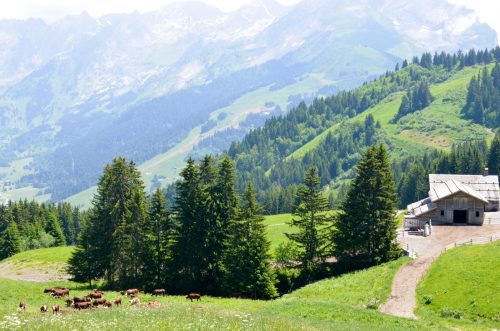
(310, 220)
(160, 232)
(494, 155)
(53, 227)
(247, 261)
(365, 229)
(10, 242)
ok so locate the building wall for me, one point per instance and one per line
(444, 213)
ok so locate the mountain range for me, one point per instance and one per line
(189, 78)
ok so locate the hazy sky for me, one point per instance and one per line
(53, 9)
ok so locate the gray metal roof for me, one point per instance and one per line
(440, 191)
(486, 186)
(421, 207)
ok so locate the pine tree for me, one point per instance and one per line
(54, 227)
(81, 265)
(310, 219)
(494, 155)
(188, 265)
(365, 229)
(247, 261)
(160, 232)
(10, 242)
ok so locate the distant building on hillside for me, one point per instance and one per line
(456, 199)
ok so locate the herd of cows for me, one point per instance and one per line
(96, 299)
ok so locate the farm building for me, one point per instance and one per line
(456, 199)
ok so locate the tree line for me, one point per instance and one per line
(30, 225)
(213, 240)
(415, 99)
(483, 98)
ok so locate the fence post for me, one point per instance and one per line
(471, 241)
(455, 244)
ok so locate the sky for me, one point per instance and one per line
(52, 10)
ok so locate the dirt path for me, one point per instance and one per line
(403, 301)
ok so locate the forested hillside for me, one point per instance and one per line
(418, 110)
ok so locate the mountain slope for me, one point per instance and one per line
(139, 85)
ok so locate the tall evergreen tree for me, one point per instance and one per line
(247, 261)
(10, 242)
(54, 227)
(365, 229)
(494, 155)
(311, 220)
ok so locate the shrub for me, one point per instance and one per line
(427, 299)
(447, 312)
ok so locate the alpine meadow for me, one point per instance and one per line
(268, 165)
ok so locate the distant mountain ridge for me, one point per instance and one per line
(76, 93)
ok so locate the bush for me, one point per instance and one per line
(427, 299)
(447, 312)
(288, 280)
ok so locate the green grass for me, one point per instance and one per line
(464, 282)
(42, 255)
(332, 304)
(277, 226)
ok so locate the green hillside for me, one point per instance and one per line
(463, 286)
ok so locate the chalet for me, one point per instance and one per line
(456, 199)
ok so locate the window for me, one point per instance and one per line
(477, 214)
(442, 212)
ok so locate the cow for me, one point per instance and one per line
(134, 301)
(49, 290)
(154, 304)
(108, 304)
(98, 291)
(98, 302)
(69, 302)
(159, 291)
(194, 296)
(130, 292)
(78, 299)
(44, 309)
(22, 305)
(118, 301)
(94, 295)
(59, 293)
(55, 309)
(82, 305)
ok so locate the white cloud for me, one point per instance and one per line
(487, 11)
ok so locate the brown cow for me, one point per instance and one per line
(194, 296)
(154, 304)
(99, 291)
(22, 305)
(159, 291)
(98, 302)
(82, 305)
(44, 309)
(59, 293)
(55, 309)
(133, 291)
(118, 301)
(69, 302)
(49, 290)
(108, 304)
(84, 299)
(94, 295)
(134, 301)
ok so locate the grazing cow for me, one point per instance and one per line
(130, 292)
(194, 296)
(59, 293)
(82, 305)
(108, 304)
(69, 302)
(94, 295)
(49, 290)
(44, 309)
(154, 304)
(84, 299)
(118, 301)
(159, 291)
(22, 305)
(98, 302)
(55, 309)
(134, 301)
(98, 291)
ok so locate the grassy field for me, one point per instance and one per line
(277, 226)
(463, 287)
(332, 304)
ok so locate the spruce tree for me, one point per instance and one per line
(10, 242)
(53, 227)
(311, 220)
(365, 229)
(494, 155)
(247, 261)
(160, 232)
